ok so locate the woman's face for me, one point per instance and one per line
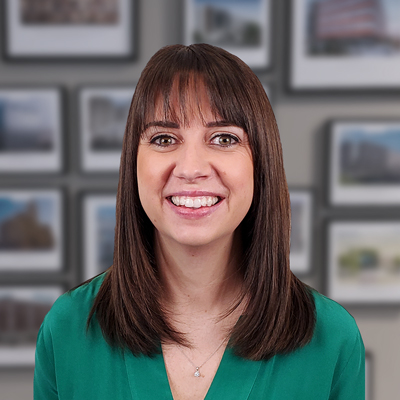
(195, 180)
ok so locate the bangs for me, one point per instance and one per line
(186, 98)
(178, 84)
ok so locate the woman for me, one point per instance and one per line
(200, 301)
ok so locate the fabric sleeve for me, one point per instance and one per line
(350, 382)
(44, 381)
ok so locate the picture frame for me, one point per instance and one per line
(31, 230)
(98, 219)
(31, 130)
(363, 261)
(242, 27)
(342, 47)
(364, 163)
(103, 112)
(301, 201)
(22, 310)
(89, 30)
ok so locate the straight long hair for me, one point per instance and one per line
(280, 312)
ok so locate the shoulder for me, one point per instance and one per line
(73, 307)
(335, 326)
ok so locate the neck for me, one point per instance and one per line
(199, 280)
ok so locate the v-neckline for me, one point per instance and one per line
(233, 380)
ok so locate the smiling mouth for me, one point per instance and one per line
(194, 202)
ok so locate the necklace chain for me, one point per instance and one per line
(197, 368)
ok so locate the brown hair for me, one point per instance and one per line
(279, 316)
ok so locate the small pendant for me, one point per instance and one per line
(197, 373)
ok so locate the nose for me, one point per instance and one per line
(192, 163)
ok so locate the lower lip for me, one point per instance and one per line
(194, 213)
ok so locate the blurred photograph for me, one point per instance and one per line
(364, 163)
(364, 261)
(30, 230)
(333, 40)
(99, 224)
(301, 233)
(64, 29)
(69, 11)
(30, 130)
(239, 26)
(103, 115)
(22, 310)
(353, 28)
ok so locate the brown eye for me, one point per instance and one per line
(225, 140)
(163, 141)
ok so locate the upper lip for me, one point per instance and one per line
(196, 193)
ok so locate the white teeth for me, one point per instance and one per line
(197, 203)
(189, 203)
(194, 202)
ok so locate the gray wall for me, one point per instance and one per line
(301, 119)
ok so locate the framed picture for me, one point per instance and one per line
(364, 163)
(103, 114)
(22, 310)
(98, 217)
(301, 234)
(30, 130)
(31, 235)
(363, 261)
(48, 29)
(242, 27)
(340, 45)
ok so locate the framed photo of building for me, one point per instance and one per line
(363, 260)
(98, 218)
(364, 163)
(301, 234)
(31, 234)
(30, 130)
(344, 45)
(242, 27)
(68, 29)
(22, 310)
(103, 113)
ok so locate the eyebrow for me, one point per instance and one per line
(174, 125)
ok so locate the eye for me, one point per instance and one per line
(163, 140)
(224, 139)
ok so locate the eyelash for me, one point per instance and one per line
(155, 140)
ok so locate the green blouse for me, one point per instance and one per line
(72, 363)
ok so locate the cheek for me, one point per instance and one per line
(152, 174)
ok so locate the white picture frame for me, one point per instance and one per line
(240, 22)
(31, 131)
(98, 217)
(301, 230)
(30, 304)
(31, 230)
(363, 261)
(329, 50)
(80, 34)
(103, 115)
(364, 163)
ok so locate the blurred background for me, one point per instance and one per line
(68, 70)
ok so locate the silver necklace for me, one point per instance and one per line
(197, 368)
